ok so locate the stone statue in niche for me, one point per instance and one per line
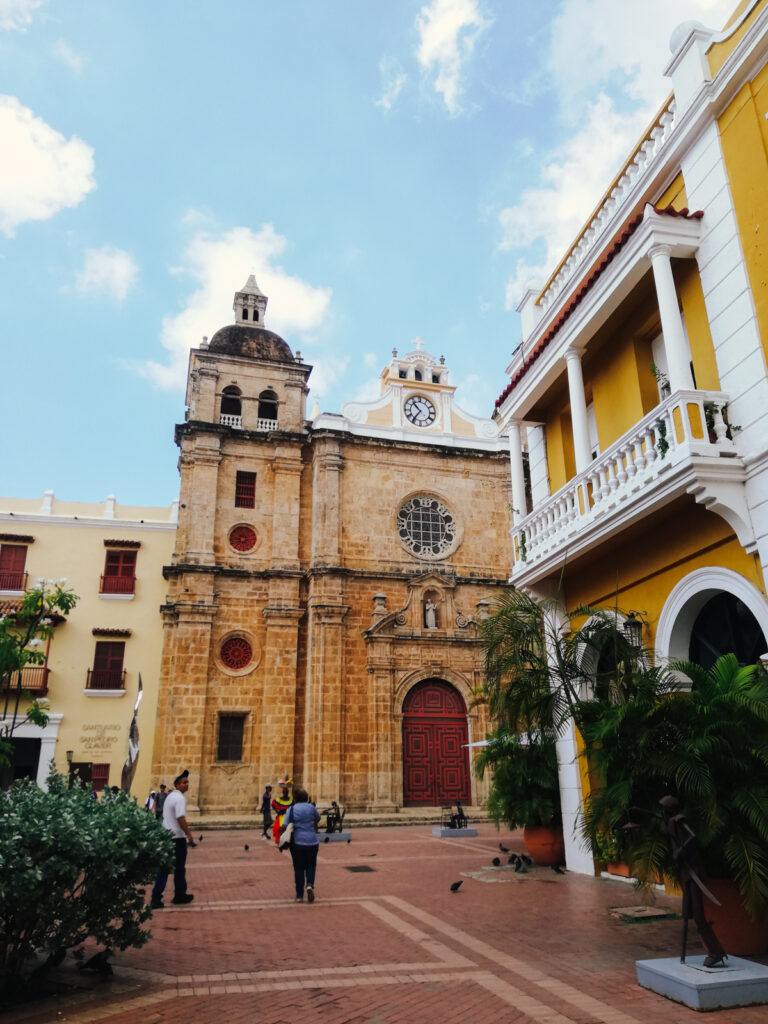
(430, 613)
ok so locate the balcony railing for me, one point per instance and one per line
(105, 679)
(34, 679)
(227, 419)
(266, 424)
(686, 424)
(11, 580)
(118, 585)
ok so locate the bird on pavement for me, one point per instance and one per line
(559, 869)
(503, 848)
(200, 839)
(455, 886)
(495, 862)
(513, 858)
(526, 859)
(520, 868)
(246, 847)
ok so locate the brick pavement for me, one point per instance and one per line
(390, 945)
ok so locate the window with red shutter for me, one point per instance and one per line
(107, 672)
(119, 572)
(99, 776)
(245, 490)
(13, 558)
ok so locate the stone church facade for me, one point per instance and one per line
(327, 580)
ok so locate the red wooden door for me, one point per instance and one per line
(435, 760)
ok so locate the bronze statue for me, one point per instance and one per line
(334, 818)
(459, 819)
(686, 855)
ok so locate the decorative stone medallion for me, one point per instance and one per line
(426, 527)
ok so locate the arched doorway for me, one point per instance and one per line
(435, 756)
(726, 626)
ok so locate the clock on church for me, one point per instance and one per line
(419, 411)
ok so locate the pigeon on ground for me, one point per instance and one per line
(495, 862)
(513, 858)
(526, 859)
(520, 868)
(246, 847)
(503, 848)
(455, 886)
(200, 839)
(559, 869)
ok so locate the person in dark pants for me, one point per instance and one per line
(266, 811)
(175, 820)
(160, 799)
(305, 818)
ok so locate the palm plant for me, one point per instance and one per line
(709, 747)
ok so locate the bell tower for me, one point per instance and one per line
(250, 304)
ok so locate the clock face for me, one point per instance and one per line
(420, 411)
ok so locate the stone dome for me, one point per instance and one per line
(254, 342)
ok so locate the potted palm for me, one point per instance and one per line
(707, 744)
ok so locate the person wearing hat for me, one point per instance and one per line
(160, 801)
(266, 811)
(280, 805)
(175, 820)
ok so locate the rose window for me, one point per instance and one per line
(426, 527)
(242, 538)
(236, 652)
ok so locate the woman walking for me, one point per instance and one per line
(304, 845)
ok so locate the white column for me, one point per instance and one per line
(537, 464)
(578, 410)
(675, 344)
(519, 504)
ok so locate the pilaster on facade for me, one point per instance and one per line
(325, 700)
(326, 508)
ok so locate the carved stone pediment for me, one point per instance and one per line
(429, 613)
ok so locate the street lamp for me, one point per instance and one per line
(69, 756)
(633, 628)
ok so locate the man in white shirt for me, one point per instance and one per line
(175, 820)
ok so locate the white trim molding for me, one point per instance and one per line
(689, 596)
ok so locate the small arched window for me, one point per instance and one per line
(230, 401)
(245, 314)
(267, 405)
(417, 374)
(256, 315)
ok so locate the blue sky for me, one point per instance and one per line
(387, 170)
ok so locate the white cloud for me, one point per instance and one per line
(393, 78)
(107, 271)
(64, 52)
(448, 31)
(220, 264)
(605, 63)
(326, 371)
(17, 14)
(41, 172)
(370, 359)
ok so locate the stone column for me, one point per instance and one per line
(325, 702)
(519, 502)
(199, 466)
(675, 344)
(326, 512)
(286, 507)
(582, 450)
(278, 718)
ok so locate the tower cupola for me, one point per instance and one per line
(250, 304)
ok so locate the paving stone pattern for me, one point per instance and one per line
(385, 946)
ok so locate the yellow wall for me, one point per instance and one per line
(674, 195)
(720, 52)
(744, 137)
(96, 728)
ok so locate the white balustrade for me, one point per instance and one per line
(228, 420)
(687, 423)
(266, 424)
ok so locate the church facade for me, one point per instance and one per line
(328, 577)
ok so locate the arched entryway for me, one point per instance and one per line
(435, 755)
(725, 626)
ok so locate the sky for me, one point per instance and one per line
(388, 171)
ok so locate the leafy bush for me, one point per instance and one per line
(72, 867)
(524, 787)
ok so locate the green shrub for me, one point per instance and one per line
(73, 868)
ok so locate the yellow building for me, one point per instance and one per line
(637, 407)
(112, 557)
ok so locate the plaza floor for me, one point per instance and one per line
(387, 944)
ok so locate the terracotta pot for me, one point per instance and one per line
(739, 934)
(545, 845)
(618, 869)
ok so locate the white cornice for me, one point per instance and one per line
(88, 522)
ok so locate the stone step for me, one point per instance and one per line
(427, 816)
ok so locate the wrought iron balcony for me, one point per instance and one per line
(12, 580)
(682, 446)
(118, 585)
(105, 679)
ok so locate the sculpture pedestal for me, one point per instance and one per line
(452, 833)
(739, 983)
(335, 837)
